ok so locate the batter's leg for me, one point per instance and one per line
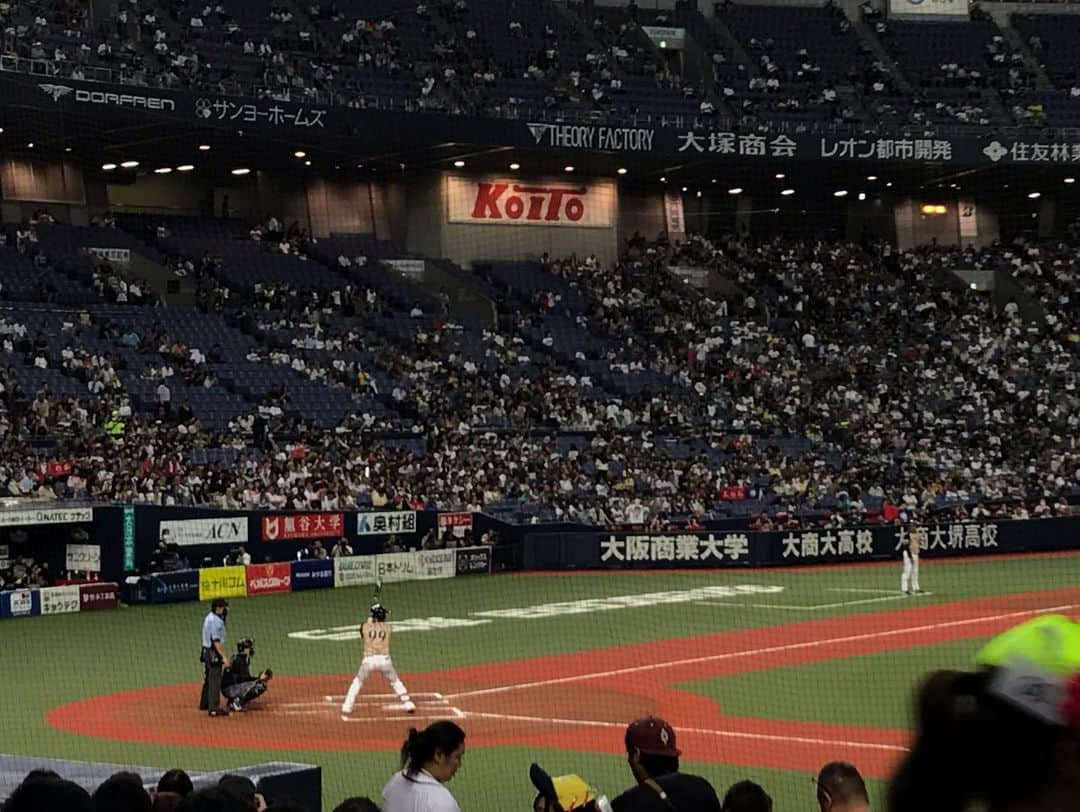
(398, 686)
(354, 688)
(915, 576)
(905, 576)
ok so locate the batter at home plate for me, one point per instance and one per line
(376, 634)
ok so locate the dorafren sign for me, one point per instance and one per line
(496, 201)
(190, 532)
(930, 8)
(12, 518)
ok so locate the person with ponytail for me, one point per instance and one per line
(429, 758)
(1005, 737)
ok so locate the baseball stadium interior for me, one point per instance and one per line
(539, 404)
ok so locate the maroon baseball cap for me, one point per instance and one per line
(652, 736)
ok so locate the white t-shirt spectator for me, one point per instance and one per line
(163, 394)
(420, 792)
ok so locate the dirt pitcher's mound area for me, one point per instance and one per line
(580, 701)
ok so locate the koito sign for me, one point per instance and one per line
(509, 202)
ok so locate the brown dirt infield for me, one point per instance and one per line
(579, 701)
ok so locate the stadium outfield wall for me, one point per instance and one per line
(116, 543)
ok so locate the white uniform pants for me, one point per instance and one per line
(909, 578)
(376, 662)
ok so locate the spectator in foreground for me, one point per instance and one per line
(746, 796)
(122, 792)
(840, 788)
(429, 759)
(44, 790)
(654, 763)
(357, 805)
(1006, 737)
(176, 781)
(212, 799)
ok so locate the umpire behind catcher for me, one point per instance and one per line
(213, 657)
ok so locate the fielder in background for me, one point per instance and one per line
(909, 578)
(376, 632)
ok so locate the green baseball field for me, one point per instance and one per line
(765, 674)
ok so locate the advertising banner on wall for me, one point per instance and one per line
(413, 566)
(173, 587)
(30, 516)
(83, 557)
(825, 546)
(968, 217)
(59, 600)
(20, 603)
(97, 596)
(266, 579)
(389, 521)
(354, 570)
(472, 560)
(303, 526)
(510, 202)
(956, 9)
(222, 582)
(313, 574)
(190, 532)
(457, 522)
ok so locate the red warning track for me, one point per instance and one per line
(579, 701)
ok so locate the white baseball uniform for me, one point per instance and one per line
(909, 578)
(376, 636)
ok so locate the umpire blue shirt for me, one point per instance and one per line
(213, 628)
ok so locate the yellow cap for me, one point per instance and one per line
(1051, 642)
(572, 791)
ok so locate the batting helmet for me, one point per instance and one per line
(378, 611)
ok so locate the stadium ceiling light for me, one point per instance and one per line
(871, 178)
(67, 149)
(568, 168)
(204, 147)
(514, 167)
(889, 184)
(685, 189)
(621, 170)
(787, 192)
(108, 167)
(1035, 195)
(840, 193)
(779, 176)
(735, 190)
(241, 171)
(129, 164)
(185, 167)
(714, 180)
(307, 163)
(862, 195)
(663, 179)
(1067, 180)
(30, 145)
(459, 164)
(300, 154)
(699, 193)
(163, 170)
